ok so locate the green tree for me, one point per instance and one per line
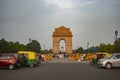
(117, 44)
(11, 47)
(79, 50)
(92, 50)
(19, 47)
(3, 46)
(34, 45)
(107, 48)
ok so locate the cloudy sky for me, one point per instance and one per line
(93, 21)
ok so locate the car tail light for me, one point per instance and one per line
(12, 61)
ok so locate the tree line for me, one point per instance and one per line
(109, 48)
(34, 45)
(14, 47)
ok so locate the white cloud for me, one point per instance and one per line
(67, 4)
(87, 3)
(64, 4)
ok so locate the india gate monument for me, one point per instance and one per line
(62, 33)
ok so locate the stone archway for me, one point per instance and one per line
(62, 33)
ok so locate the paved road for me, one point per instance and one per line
(61, 71)
(63, 60)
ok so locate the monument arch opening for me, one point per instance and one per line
(62, 48)
(62, 33)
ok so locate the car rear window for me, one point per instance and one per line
(4, 57)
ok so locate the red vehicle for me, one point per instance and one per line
(8, 61)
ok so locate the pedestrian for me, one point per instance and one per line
(42, 56)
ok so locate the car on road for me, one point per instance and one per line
(112, 61)
(8, 61)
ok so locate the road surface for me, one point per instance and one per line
(58, 70)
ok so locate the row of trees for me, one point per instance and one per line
(34, 45)
(91, 49)
(13, 47)
(110, 48)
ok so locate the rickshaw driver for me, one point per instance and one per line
(24, 58)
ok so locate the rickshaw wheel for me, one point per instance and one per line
(11, 67)
(31, 65)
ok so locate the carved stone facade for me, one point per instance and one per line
(62, 33)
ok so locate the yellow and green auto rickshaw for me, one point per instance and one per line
(27, 58)
(98, 56)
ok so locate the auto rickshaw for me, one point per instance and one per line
(27, 58)
(98, 56)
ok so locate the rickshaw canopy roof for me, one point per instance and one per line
(31, 55)
(100, 53)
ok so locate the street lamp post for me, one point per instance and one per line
(87, 45)
(116, 33)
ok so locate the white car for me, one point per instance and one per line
(112, 61)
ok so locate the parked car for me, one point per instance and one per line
(8, 61)
(112, 61)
